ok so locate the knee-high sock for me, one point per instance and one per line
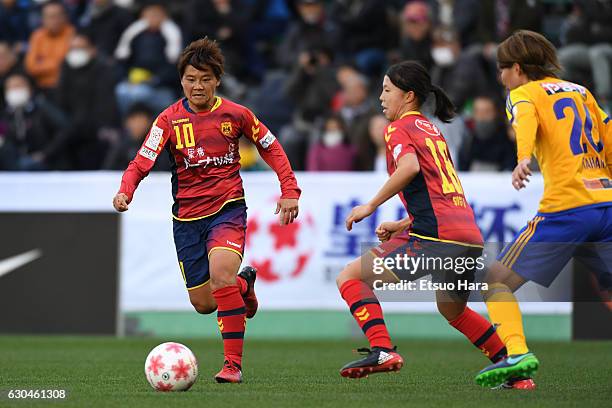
(242, 285)
(367, 312)
(481, 333)
(505, 314)
(231, 318)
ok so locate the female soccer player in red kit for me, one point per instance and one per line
(201, 132)
(440, 224)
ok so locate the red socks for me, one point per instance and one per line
(481, 333)
(231, 318)
(367, 312)
(243, 286)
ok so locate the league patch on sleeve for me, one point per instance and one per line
(396, 151)
(155, 138)
(148, 154)
(267, 140)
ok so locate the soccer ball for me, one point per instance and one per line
(171, 367)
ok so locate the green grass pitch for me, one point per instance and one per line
(108, 372)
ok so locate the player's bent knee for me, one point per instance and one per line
(222, 281)
(450, 310)
(204, 307)
(350, 271)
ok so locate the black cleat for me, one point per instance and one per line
(377, 360)
(249, 274)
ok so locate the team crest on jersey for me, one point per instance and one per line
(427, 127)
(226, 128)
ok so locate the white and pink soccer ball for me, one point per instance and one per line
(171, 367)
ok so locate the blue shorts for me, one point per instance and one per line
(544, 246)
(195, 240)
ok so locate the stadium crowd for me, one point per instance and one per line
(82, 80)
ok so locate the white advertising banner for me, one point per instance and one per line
(297, 264)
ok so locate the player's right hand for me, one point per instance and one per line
(120, 202)
(388, 230)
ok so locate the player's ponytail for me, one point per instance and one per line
(445, 110)
(412, 76)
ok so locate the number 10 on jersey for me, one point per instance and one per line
(186, 135)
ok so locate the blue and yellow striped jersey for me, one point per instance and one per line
(561, 124)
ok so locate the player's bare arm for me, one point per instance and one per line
(407, 168)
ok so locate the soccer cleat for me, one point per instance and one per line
(516, 365)
(230, 373)
(249, 274)
(377, 360)
(518, 383)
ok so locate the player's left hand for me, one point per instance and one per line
(520, 175)
(357, 214)
(288, 209)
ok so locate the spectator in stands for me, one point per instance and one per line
(497, 19)
(588, 47)
(332, 151)
(27, 126)
(267, 24)
(221, 20)
(85, 95)
(14, 27)
(459, 15)
(148, 50)
(416, 34)
(104, 22)
(125, 146)
(9, 64)
(311, 30)
(488, 147)
(355, 108)
(376, 128)
(311, 86)
(49, 45)
(365, 32)
(461, 74)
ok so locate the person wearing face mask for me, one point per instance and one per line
(332, 152)
(85, 95)
(27, 125)
(488, 147)
(460, 74)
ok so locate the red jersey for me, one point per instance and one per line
(434, 198)
(206, 161)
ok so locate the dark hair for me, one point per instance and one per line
(139, 108)
(412, 76)
(201, 53)
(535, 55)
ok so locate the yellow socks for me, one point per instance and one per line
(504, 313)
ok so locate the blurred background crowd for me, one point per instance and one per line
(82, 80)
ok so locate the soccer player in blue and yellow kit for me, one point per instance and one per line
(560, 124)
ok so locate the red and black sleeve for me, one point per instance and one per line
(273, 154)
(146, 157)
